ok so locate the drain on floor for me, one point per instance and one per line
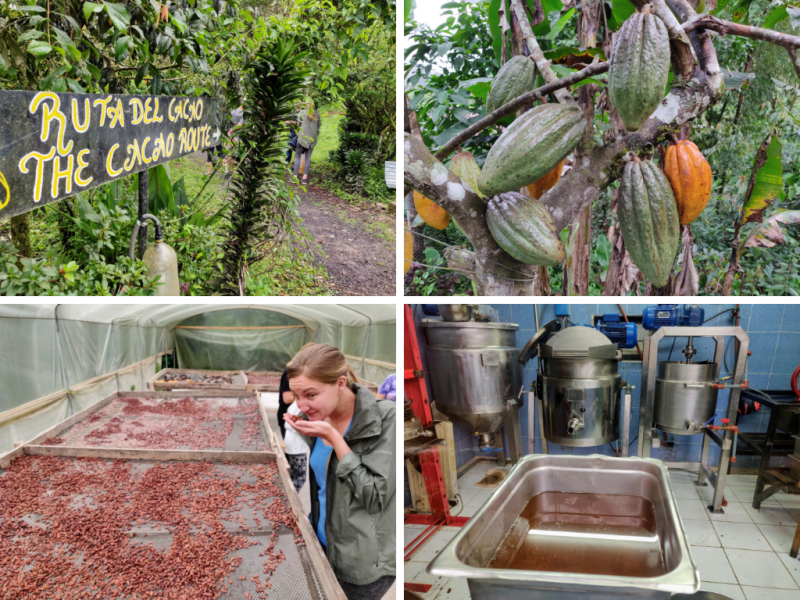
(492, 478)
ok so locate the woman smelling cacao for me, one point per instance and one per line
(351, 436)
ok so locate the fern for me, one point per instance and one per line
(261, 215)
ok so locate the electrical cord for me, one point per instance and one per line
(730, 310)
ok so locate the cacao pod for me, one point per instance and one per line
(514, 78)
(430, 212)
(538, 188)
(689, 174)
(464, 166)
(408, 249)
(531, 147)
(524, 228)
(637, 77)
(648, 219)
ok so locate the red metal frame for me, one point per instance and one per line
(430, 462)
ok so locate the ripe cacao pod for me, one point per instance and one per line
(637, 77)
(408, 250)
(514, 78)
(689, 174)
(538, 188)
(433, 214)
(531, 147)
(464, 166)
(524, 228)
(648, 218)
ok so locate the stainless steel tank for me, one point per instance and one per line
(684, 398)
(474, 370)
(579, 388)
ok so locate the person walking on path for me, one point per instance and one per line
(351, 436)
(309, 124)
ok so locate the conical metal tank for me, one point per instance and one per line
(579, 386)
(474, 370)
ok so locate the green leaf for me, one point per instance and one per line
(556, 29)
(122, 45)
(622, 9)
(37, 20)
(30, 8)
(559, 53)
(140, 73)
(89, 8)
(768, 183)
(118, 14)
(777, 15)
(160, 195)
(31, 34)
(75, 86)
(38, 48)
(768, 233)
(736, 80)
(96, 73)
(794, 15)
(86, 211)
(406, 10)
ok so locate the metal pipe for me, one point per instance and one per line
(159, 233)
(64, 375)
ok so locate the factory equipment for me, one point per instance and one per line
(563, 527)
(622, 333)
(579, 385)
(669, 315)
(680, 397)
(476, 378)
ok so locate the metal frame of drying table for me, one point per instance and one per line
(725, 441)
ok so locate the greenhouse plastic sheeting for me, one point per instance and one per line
(93, 350)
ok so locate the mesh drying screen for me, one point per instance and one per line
(137, 529)
(264, 378)
(188, 423)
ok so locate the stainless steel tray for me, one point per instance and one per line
(471, 550)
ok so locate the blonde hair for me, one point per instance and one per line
(323, 363)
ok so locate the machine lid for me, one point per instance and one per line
(580, 341)
(529, 351)
(436, 323)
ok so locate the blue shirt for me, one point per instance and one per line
(318, 462)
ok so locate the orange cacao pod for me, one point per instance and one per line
(689, 174)
(538, 188)
(433, 214)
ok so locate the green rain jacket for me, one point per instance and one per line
(360, 494)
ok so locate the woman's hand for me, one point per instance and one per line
(319, 429)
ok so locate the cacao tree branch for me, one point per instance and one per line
(722, 27)
(537, 55)
(517, 103)
(496, 273)
(701, 41)
(795, 61)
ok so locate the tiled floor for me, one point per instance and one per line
(743, 554)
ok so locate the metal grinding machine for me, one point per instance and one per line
(680, 397)
(578, 387)
(475, 375)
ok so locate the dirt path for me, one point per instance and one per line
(359, 256)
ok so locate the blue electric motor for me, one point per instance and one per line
(430, 310)
(669, 315)
(621, 333)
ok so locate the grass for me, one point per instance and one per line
(329, 135)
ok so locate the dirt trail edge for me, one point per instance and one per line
(358, 261)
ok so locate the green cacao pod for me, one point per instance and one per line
(464, 166)
(649, 220)
(531, 147)
(514, 78)
(639, 68)
(524, 228)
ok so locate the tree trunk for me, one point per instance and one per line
(20, 234)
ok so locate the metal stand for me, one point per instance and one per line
(512, 432)
(725, 441)
(143, 209)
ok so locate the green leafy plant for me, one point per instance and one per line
(262, 213)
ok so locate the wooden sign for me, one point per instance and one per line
(53, 146)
